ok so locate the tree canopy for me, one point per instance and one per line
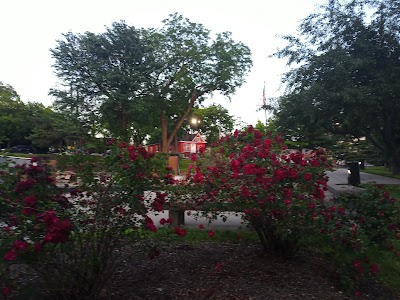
(346, 75)
(215, 121)
(33, 123)
(136, 79)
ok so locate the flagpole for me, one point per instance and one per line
(265, 106)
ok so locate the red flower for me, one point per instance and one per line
(30, 201)
(50, 217)
(319, 194)
(179, 231)
(287, 193)
(150, 225)
(287, 201)
(250, 169)
(132, 156)
(235, 165)
(296, 157)
(279, 175)
(6, 291)
(198, 177)
(374, 268)
(314, 162)
(211, 233)
(201, 226)
(24, 185)
(193, 157)
(307, 176)
(356, 263)
(167, 221)
(27, 211)
(20, 245)
(357, 294)
(10, 255)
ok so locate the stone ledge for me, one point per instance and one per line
(341, 189)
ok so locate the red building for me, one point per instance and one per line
(190, 143)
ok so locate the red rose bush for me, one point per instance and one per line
(279, 192)
(67, 236)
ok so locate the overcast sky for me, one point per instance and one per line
(28, 29)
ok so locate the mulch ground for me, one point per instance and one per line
(219, 271)
(228, 271)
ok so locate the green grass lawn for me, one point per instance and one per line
(380, 170)
(393, 189)
(183, 165)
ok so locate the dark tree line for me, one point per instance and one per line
(33, 123)
(346, 75)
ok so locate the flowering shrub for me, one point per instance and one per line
(364, 232)
(32, 213)
(279, 192)
(69, 235)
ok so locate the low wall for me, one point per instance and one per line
(15, 160)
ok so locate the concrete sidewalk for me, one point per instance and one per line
(337, 183)
(233, 221)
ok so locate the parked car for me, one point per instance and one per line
(22, 149)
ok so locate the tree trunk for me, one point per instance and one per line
(395, 163)
(167, 139)
(164, 135)
(123, 124)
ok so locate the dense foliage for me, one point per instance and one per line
(279, 191)
(137, 79)
(346, 74)
(214, 121)
(33, 123)
(68, 237)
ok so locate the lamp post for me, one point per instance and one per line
(195, 122)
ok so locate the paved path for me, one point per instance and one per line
(337, 183)
(233, 222)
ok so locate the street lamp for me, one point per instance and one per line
(195, 122)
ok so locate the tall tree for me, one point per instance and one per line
(13, 123)
(130, 76)
(193, 66)
(346, 75)
(105, 76)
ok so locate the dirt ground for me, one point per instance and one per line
(229, 271)
(226, 270)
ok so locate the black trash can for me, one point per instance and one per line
(354, 173)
